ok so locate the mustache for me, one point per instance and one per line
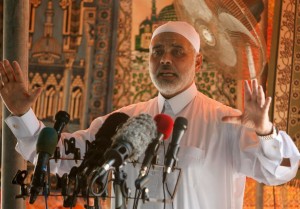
(166, 68)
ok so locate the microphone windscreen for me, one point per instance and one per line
(164, 125)
(139, 131)
(47, 141)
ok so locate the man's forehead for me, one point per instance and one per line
(182, 28)
(169, 39)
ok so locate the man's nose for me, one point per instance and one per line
(166, 59)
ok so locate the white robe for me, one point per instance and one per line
(215, 157)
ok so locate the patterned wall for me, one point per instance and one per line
(85, 51)
(102, 59)
(287, 64)
(283, 80)
(286, 79)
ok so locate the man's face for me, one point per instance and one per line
(173, 63)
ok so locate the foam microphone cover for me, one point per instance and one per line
(47, 141)
(138, 131)
(164, 124)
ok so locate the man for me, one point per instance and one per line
(221, 145)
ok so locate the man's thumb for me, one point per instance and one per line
(36, 93)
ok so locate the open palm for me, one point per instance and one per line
(256, 110)
(13, 90)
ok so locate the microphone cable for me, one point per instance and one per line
(46, 202)
(136, 199)
(47, 187)
(164, 124)
(169, 194)
(138, 192)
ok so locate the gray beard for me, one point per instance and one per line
(171, 88)
(167, 88)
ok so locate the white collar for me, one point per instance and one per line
(179, 101)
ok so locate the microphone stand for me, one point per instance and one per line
(141, 189)
(120, 188)
(47, 186)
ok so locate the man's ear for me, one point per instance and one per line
(198, 62)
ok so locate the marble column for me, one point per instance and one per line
(15, 47)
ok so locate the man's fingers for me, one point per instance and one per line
(18, 72)
(9, 71)
(260, 96)
(35, 94)
(1, 83)
(247, 91)
(254, 89)
(3, 73)
(267, 104)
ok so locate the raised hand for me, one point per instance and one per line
(13, 89)
(256, 110)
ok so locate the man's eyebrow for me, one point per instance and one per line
(177, 46)
(157, 46)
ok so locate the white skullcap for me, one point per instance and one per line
(181, 28)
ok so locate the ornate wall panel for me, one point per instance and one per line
(101, 58)
(122, 95)
(284, 63)
(294, 98)
(284, 86)
(287, 74)
(59, 46)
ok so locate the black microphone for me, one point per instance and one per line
(130, 141)
(45, 147)
(164, 124)
(180, 126)
(61, 119)
(103, 140)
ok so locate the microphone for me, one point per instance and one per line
(61, 119)
(45, 147)
(164, 124)
(103, 140)
(180, 126)
(130, 141)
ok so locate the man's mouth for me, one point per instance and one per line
(167, 74)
